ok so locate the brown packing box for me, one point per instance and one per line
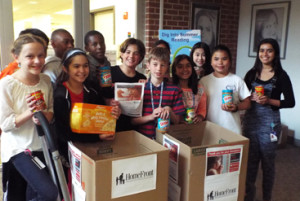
(193, 141)
(97, 160)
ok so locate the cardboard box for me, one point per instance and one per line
(194, 141)
(103, 165)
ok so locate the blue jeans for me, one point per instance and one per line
(23, 180)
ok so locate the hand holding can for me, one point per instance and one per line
(40, 101)
(227, 97)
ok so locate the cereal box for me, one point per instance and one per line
(91, 118)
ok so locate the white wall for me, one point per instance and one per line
(122, 26)
(6, 33)
(291, 63)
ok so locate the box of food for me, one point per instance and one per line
(130, 167)
(207, 162)
(91, 118)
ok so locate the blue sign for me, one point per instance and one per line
(181, 41)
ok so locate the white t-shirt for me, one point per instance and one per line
(213, 88)
(52, 67)
(12, 102)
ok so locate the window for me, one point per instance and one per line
(44, 15)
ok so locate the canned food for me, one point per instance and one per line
(227, 97)
(40, 101)
(259, 90)
(190, 114)
(105, 76)
(163, 125)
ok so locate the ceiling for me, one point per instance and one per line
(24, 9)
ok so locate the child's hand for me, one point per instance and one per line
(259, 99)
(30, 103)
(197, 119)
(116, 112)
(262, 100)
(165, 114)
(156, 113)
(48, 115)
(142, 81)
(230, 108)
(36, 120)
(114, 102)
(254, 97)
(106, 137)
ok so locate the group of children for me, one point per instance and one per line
(197, 82)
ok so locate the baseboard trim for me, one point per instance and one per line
(297, 142)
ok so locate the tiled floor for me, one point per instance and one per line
(287, 182)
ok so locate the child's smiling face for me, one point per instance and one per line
(184, 69)
(131, 57)
(158, 68)
(221, 63)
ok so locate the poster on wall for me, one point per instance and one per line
(206, 18)
(269, 20)
(180, 41)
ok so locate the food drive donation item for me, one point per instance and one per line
(130, 97)
(40, 101)
(91, 118)
(163, 125)
(105, 76)
(259, 90)
(227, 97)
(190, 114)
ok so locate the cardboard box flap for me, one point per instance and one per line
(137, 145)
(215, 134)
(187, 134)
(205, 134)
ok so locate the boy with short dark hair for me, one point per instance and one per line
(95, 46)
(161, 99)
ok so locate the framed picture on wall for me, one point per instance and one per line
(269, 20)
(206, 19)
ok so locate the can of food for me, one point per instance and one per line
(227, 96)
(105, 76)
(259, 90)
(163, 125)
(40, 101)
(190, 114)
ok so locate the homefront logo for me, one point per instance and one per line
(129, 177)
(215, 195)
(120, 179)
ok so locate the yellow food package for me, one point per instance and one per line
(91, 118)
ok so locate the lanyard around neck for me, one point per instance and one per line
(160, 97)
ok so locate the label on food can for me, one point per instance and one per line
(227, 97)
(40, 101)
(163, 125)
(105, 76)
(190, 114)
(259, 90)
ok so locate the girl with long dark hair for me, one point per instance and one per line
(261, 122)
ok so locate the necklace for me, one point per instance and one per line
(160, 97)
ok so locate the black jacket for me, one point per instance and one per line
(62, 109)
